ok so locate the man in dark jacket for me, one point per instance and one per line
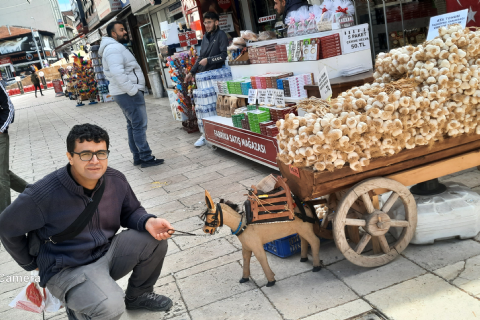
(81, 272)
(8, 180)
(213, 52)
(36, 82)
(286, 6)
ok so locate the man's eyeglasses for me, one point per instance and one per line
(88, 155)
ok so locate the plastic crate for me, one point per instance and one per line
(284, 247)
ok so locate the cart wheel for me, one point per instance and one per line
(375, 223)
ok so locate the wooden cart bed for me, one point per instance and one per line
(407, 167)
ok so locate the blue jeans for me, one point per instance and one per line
(135, 112)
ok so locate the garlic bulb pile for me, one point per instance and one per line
(437, 96)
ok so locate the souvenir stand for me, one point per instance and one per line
(102, 82)
(180, 65)
(279, 71)
(85, 84)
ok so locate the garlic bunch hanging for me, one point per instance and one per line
(438, 96)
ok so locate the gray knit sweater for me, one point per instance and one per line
(52, 204)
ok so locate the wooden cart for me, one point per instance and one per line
(354, 203)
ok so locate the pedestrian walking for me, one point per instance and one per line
(213, 52)
(36, 82)
(73, 216)
(8, 180)
(127, 86)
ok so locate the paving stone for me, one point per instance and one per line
(468, 277)
(171, 197)
(308, 293)
(471, 178)
(172, 247)
(210, 265)
(195, 200)
(166, 208)
(366, 280)
(345, 311)
(186, 242)
(442, 253)
(254, 306)
(189, 225)
(188, 182)
(156, 192)
(188, 258)
(179, 215)
(451, 272)
(209, 169)
(210, 286)
(425, 297)
(282, 267)
(170, 290)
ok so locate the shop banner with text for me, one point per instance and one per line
(252, 145)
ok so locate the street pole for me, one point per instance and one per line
(38, 52)
(41, 44)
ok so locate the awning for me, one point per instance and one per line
(26, 63)
(69, 42)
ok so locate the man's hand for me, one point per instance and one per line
(188, 78)
(204, 62)
(158, 228)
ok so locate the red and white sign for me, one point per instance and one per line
(473, 15)
(5, 60)
(226, 23)
(187, 38)
(225, 4)
(267, 18)
(249, 144)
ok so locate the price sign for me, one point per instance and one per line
(262, 96)
(324, 85)
(270, 97)
(445, 20)
(279, 98)
(252, 96)
(355, 39)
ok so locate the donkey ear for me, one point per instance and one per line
(209, 201)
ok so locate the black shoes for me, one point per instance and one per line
(150, 301)
(137, 162)
(152, 163)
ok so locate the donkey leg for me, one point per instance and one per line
(304, 253)
(247, 255)
(262, 258)
(310, 236)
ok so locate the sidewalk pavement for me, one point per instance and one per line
(440, 281)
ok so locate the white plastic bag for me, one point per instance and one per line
(35, 299)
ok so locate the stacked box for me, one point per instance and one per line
(255, 117)
(222, 87)
(286, 87)
(264, 125)
(245, 123)
(234, 87)
(280, 84)
(252, 107)
(237, 120)
(280, 113)
(282, 55)
(246, 85)
(297, 85)
(272, 131)
(263, 108)
(330, 46)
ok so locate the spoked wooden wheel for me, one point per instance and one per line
(356, 209)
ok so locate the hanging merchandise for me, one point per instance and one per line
(324, 15)
(180, 65)
(102, 82)
(86, 86)
(343, 16)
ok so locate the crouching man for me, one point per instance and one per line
(81, 270)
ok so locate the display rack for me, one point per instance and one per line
(102, 82)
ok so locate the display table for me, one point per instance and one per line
(220, 132)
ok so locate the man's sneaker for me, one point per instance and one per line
(152, 163)
(137, 162)
(200, 142)
(150, 301)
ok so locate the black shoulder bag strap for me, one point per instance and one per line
(82, 220)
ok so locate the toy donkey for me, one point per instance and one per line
(253, 231)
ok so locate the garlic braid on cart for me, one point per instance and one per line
(420, 95)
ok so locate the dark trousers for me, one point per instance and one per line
(135, 113)
(39, 87)
(8, 179)
(90, 292)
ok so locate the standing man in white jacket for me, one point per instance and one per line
(127, 86)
